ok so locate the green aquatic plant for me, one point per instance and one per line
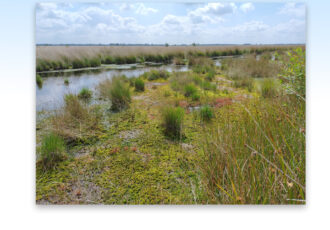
(85, 94)
(66, 81)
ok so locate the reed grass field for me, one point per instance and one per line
(66, 57)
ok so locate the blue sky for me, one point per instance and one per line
(173, 23)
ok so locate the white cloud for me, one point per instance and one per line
(293, 9)
(246, 7)
(142, 9)
(211, 12)
(204, 23)
(126, 6)
(251, 26)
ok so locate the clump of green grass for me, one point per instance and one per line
(76, 122)
(189, 90)
(139, 85)
(118, 91)
(173, 122)
(52, 151)
(66, 81)
(206, 113)
(85, 94)
(157, 74)
(195, 96)
(39, 81)
(268, 88)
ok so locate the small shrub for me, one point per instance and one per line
(173, 122)
(189, 90)
(52, 150)
(85, 94)
(39, 81)
(66, 81)
(206, 113)
(139, 85)
(268, 88)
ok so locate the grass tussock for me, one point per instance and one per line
(52, 151)
(206, 113)
(117, 90)
(156, 75)
(139, 85)
(39, 80)
(85, 94)
(76, 122)
(173, 122)
(269, 88)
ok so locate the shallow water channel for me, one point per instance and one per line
(51, 95)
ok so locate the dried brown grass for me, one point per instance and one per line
(76, 52)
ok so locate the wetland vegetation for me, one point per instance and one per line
(232, 133)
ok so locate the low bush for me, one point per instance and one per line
(173, 122)
(139, 85)
(52, 151)
(66, 81)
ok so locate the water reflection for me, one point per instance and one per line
(51, 95)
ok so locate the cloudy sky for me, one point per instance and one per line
(173, 23)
